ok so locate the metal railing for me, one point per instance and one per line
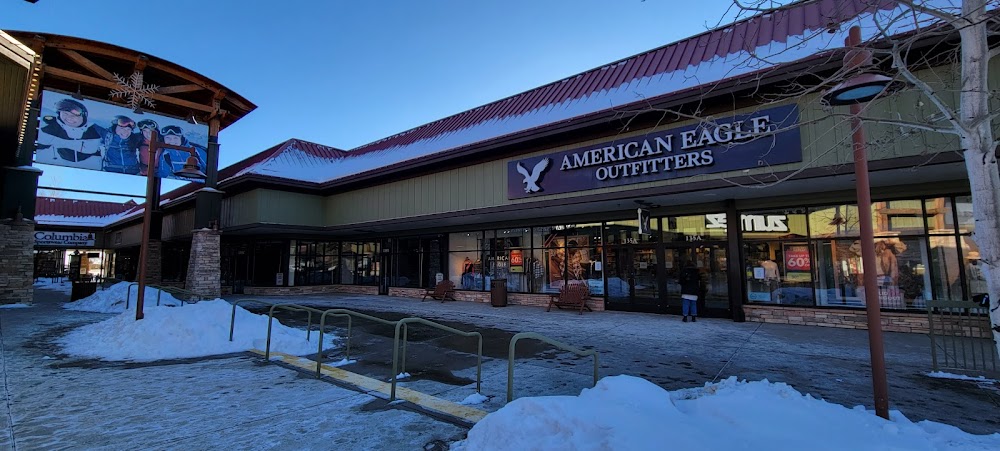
(159, 293)
(401, 325)
(293, 308)
(349, 314)
(540, 337)
(232, 319)
(961, 336)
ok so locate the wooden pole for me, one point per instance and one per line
(147, 218)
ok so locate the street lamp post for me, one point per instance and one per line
(854, 92)
(190, 170)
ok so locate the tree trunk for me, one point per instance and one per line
(980, 158)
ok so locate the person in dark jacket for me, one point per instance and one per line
(690, 281)
(121, 147)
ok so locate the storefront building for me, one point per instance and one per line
(69, 238)
(541, 190)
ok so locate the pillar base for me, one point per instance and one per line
(204, 267)
(17, 272)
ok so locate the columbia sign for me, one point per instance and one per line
(761, 139)
(67, 239)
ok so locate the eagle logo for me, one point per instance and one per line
(531, 179)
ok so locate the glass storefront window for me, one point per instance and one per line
(627, 232)
(974, 276)
(898, 217)
(834, 221)
(901, 267)
(511, 248)
(465, 260)
(313, 262)
(773, 225)
(779, 272)
(947, 276)
(940, 217)
(694, 228)
(966, 222)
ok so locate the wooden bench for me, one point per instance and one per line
(572, 297)
(443, 291)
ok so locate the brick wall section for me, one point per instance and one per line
(540, 300)
(842, 318)
(154, 266)
(204, 266)
(17, 261)
(311, 289)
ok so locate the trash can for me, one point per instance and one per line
(81, 290)
(498, 292)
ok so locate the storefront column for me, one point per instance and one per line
(17, 240)
(154, 266)
(204, 268)
(735, 266)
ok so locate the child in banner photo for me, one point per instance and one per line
(172, 161)
(121, 146)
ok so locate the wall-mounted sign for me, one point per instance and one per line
(764, 138)
(88, 134)
(64, 239)
(750, 223)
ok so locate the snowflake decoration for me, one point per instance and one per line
(133, 89)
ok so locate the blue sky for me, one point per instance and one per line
(344, 74)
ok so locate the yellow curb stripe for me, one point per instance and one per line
(366, 383)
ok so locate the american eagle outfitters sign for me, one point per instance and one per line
(67, 239)
(763, 138)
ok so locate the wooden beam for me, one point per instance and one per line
(69, 75)
(128, 56)
(179, 89)
(87, 64)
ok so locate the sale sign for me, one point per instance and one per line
(797, 258)
(516, 261)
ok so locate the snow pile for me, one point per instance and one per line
(194, 330)
(624, 412)
(112, 299)
(46, 283)
(14, 306)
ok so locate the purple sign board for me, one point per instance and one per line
(762, 138)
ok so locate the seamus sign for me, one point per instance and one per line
(65, 239)
(763, 138)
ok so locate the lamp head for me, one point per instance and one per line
(861, 88)
(190, 169)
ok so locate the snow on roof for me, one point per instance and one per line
(758, 43)
(82, 213)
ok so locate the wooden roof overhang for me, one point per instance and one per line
(18, 73)
(89, 67)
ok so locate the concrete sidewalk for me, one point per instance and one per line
(51, 401)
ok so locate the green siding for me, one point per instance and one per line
(240, 209)
(280, 207)
(178, 224)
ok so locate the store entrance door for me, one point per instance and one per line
(711, 261)
(633, 278)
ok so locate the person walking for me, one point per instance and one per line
(690, 281)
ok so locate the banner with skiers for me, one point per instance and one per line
(89, 134)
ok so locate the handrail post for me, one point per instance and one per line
(270, 318)
(395, 356)
(402, 365)
(128, 294)
(159, 292)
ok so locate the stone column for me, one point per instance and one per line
(154, 267)
(204, 267)
(17, 241)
